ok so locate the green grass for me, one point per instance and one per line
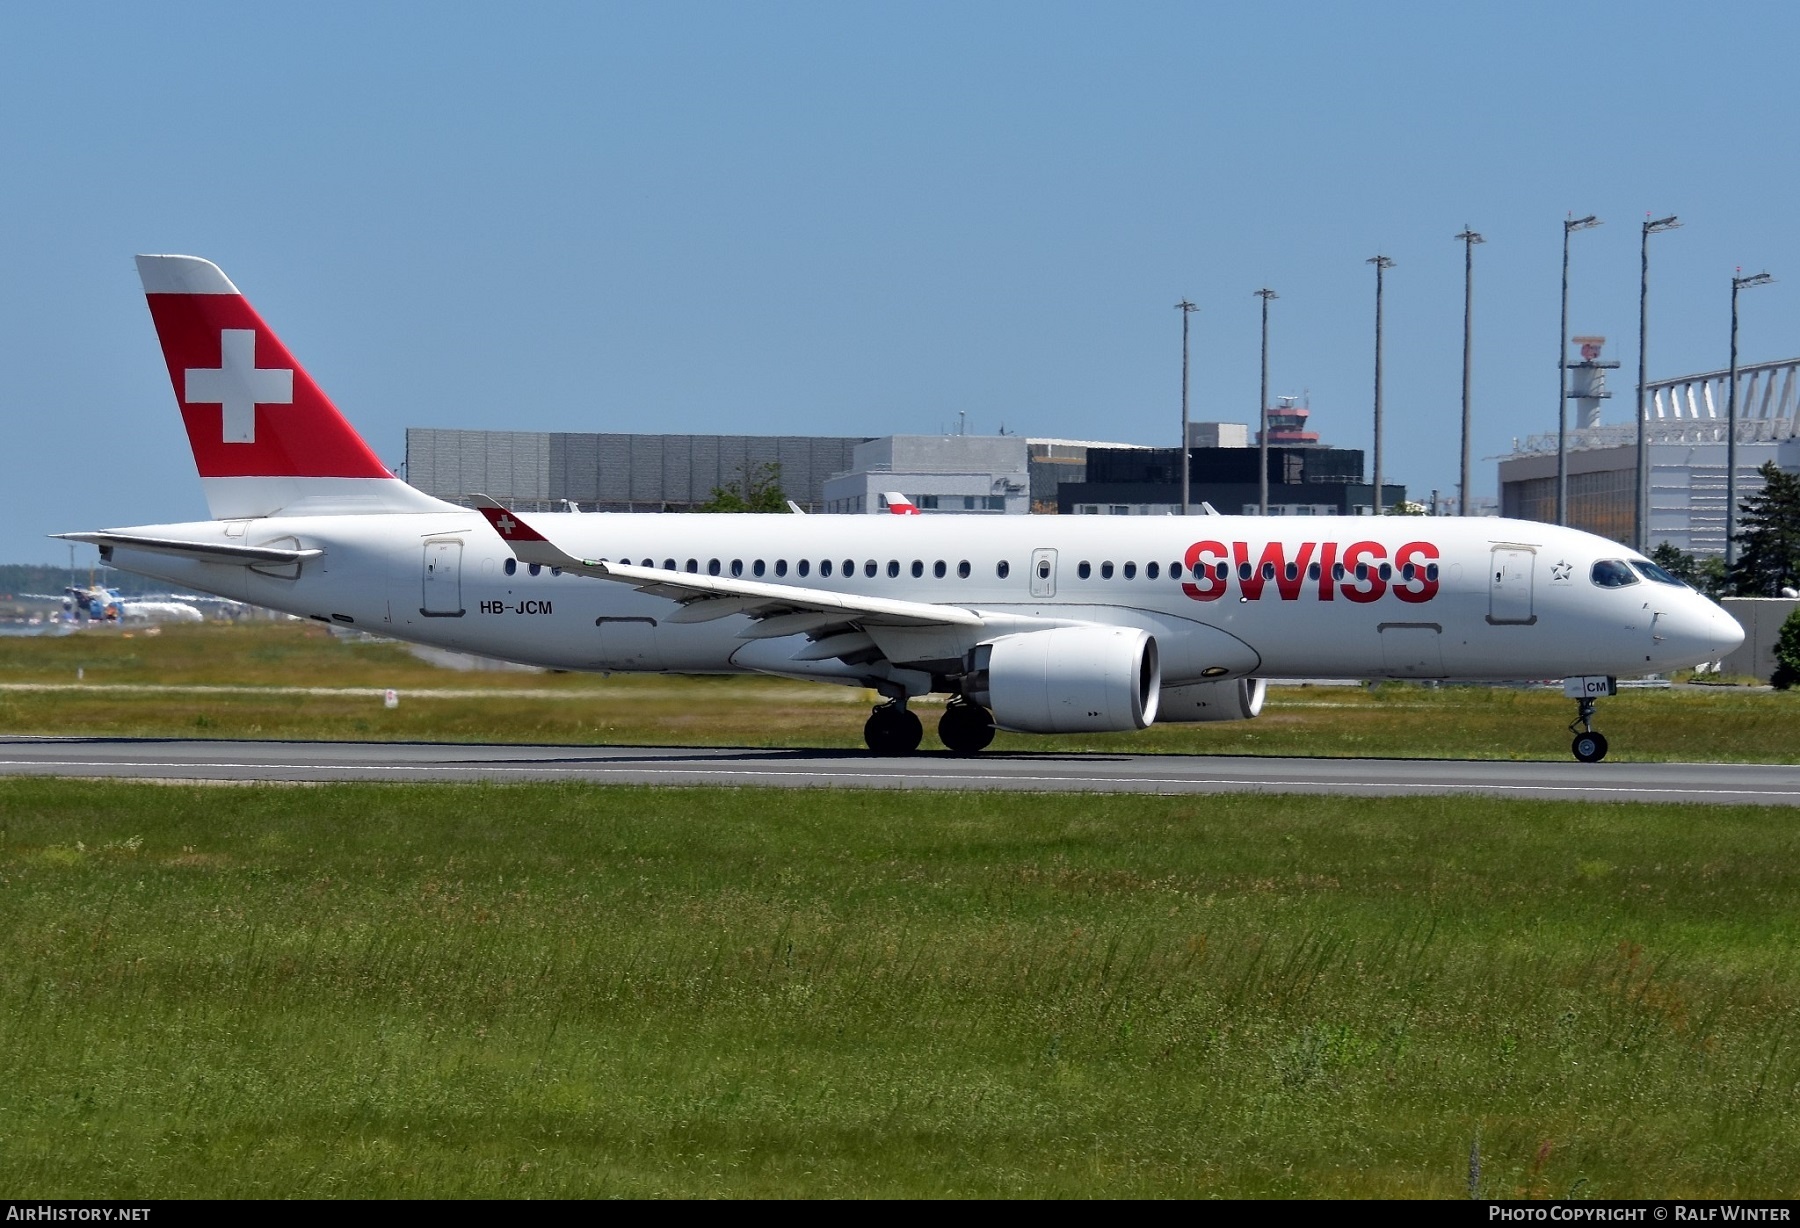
(1392, 720)
(566, 991)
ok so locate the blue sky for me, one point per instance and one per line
(853, 218)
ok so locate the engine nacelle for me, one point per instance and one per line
(1229, 699)
(1068, 679)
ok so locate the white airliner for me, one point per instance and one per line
(1043, 624)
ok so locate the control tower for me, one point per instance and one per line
(1587, 381)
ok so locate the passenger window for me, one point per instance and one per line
(803, 566)
(737, 567)
(1387, 571)
(1221, 571)
(712, 567)
(1131, 571)
(512, 566)
(893, 569)
(557, 571)
(781, 567)
(1084, 571)
(1244, 571)
(668, 564)
(918, 569)
(1268, 571)
(1408, 572)
(849, 568)
(1002, 568)
(962, 570)
(1150, 570)
(1106, 571)
(939, 569)
(1293, 571)
(869, 568)
(756, 568)
(1612, 573)
(1337, 571)
(1175, 571)
(1431, 572)
(535, 568)
(693, 565)
(824, 567)
(1312, 571)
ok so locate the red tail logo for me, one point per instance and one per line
(249, 408)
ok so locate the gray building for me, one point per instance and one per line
(617, 472)
(1685, 434)
(940, 473)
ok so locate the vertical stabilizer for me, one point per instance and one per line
(265, 438)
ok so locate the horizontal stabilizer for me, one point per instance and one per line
(207, 552)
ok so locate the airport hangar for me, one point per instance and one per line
(965, 474)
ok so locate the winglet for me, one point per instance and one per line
(505, 523)
(899, 504)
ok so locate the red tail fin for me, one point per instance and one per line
(264, 436)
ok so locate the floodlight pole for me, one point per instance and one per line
(1186, 309)
(1731, 423)
(1570, 226)
(1640, 515)
(1470, 239)
(1265, 294)
(1382, 265)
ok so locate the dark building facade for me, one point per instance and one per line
(1303, 481)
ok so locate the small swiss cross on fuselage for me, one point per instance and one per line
(237, 385)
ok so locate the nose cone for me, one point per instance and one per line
(1698, 631)
(1727, 633)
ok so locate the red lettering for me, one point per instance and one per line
(1327, 560)
(1272, 565)
(1201, 559)
(1361, 568)
(1422, 558)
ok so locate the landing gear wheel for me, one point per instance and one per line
(892, 730)
(966, 729)
(1589, 747)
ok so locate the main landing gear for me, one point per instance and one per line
(892, 730)
(964, 729)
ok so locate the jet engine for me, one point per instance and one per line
(1229, 699)
(1067, 679)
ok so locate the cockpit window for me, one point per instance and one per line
(1612, 573)
(1650, 571)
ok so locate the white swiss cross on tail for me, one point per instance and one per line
(237, 385)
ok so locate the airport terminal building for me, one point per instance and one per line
(1686, 444)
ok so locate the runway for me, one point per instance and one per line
(228, 761)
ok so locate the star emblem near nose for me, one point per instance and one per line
(1561, 571)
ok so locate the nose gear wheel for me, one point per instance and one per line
(1589, 745)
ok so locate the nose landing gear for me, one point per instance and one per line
(892, 730)
(1589, 745)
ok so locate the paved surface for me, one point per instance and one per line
(157, 759)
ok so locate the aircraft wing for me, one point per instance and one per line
(704, 598)
(209, 552)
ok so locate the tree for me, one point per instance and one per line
(756, 490)
(1768, 540)
(1787, 654)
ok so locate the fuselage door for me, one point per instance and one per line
(1043, 573)
(1509, 586)
(443, 580)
